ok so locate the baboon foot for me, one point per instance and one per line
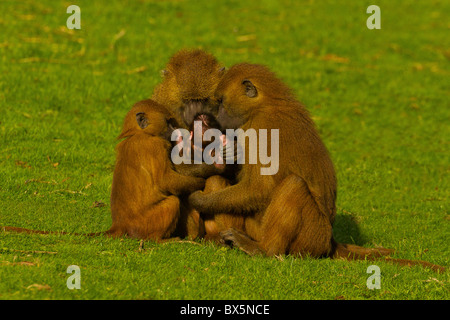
(235, 238)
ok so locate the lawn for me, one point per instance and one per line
(380, 99)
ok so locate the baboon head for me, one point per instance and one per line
(246, 88)
(148, 117)
(189, 81)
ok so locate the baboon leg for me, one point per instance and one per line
(190, 225)
(212, 184)
(214, 224)
(195, 225)
(292, 223)
(157, 222)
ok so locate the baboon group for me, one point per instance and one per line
(289, 212)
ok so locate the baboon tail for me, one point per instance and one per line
(353, 252)
(425, 264)
(113, 232)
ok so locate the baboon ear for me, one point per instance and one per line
(250, 89)
(142, 120)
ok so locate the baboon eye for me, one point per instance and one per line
(164, 73)
(220, 100)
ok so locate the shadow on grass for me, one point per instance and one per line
(346, 230)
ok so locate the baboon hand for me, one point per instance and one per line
(199, 184)
(235, 238)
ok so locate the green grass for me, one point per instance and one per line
(379, 98)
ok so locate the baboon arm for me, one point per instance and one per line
(177, 184)
(233, 199)
(202, 170)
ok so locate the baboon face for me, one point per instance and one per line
(193, 77)
(237, 95)
(227, 121)
(247, 88)
(195, 108)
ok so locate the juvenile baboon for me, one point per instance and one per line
(293, 210)
(145, 187)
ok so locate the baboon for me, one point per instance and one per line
(145, 187)
(293, 210)
(187, 90)
(186, 144)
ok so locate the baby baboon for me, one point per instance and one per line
(213, 223)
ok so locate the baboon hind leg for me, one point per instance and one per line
(216, 223)
(291, 224)
(156, 223)
(190, 224)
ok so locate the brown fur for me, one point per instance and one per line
(145, 188)
(309, 185)
(291, 212)
(189, 82)
(210, 225)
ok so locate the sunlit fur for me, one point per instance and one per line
(293, 210)
(191, 75)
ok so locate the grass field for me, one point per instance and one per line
(380, 99)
